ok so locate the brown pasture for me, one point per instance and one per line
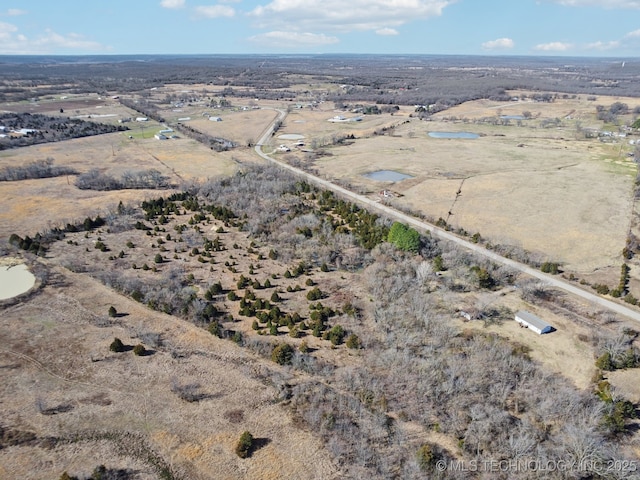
(50, 202)
(546, 190)
(56, 359)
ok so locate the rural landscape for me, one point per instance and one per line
(320, 266)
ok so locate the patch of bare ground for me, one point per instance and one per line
(60, 380)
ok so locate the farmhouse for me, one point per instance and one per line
(529, 320)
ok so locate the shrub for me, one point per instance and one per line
(314, 294)
(245, 445)
(66, 476)
(215, 329)
(112, 311)
(282, 354)
(117, 345)
(403, 237)
(335, 335)
(425, 456)
(353, 341)
(158, 258)
(139, 350)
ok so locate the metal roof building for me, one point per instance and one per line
(533, 322)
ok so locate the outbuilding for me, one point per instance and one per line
(532, 322)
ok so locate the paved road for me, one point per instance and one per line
(438, 232)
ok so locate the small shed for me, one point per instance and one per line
(531, 321)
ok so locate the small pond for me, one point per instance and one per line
(386, 176)
(291, 136)
(15, 280)
(512, 117)
(453, 135)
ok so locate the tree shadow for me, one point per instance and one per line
(63, 408)
(259, 443)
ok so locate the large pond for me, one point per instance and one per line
(15, 280)
(387, 176)
(453, 135)
(291, 136)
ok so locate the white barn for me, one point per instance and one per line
(532, 322)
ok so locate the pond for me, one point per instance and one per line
(453, 135)
(512, 117)
(386, 176)
(291, 136)
(15, 280)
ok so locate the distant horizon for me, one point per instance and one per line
(328, 54)
(572, 28)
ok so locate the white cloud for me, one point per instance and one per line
(337, 15)
(6, 30)
(609, 4)
(172, 3)
(602, 46)
(553, 47)
(634, 34)
(292, 39)
(499, 43)
(387, 31)
(12, 42)
(215, 11)
(14, 12)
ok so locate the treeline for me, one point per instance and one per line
(146, 179)
(36, 169)
(43, 128)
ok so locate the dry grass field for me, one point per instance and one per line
(546, 190)
(49, 202)
(60, 380)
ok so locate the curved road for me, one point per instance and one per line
(439, 232)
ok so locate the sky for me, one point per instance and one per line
(595, 28)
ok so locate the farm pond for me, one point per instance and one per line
(386, 176)
(14, 280)
(453, 135)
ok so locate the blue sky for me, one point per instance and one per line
(468, 27)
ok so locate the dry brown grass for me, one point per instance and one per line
(56, 349)
(51, 202)
(540, 189)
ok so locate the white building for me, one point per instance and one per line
(532, 322)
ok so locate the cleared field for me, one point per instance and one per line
(546, 190)
(65, 383)
(48, 202)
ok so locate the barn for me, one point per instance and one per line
(529, 320)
